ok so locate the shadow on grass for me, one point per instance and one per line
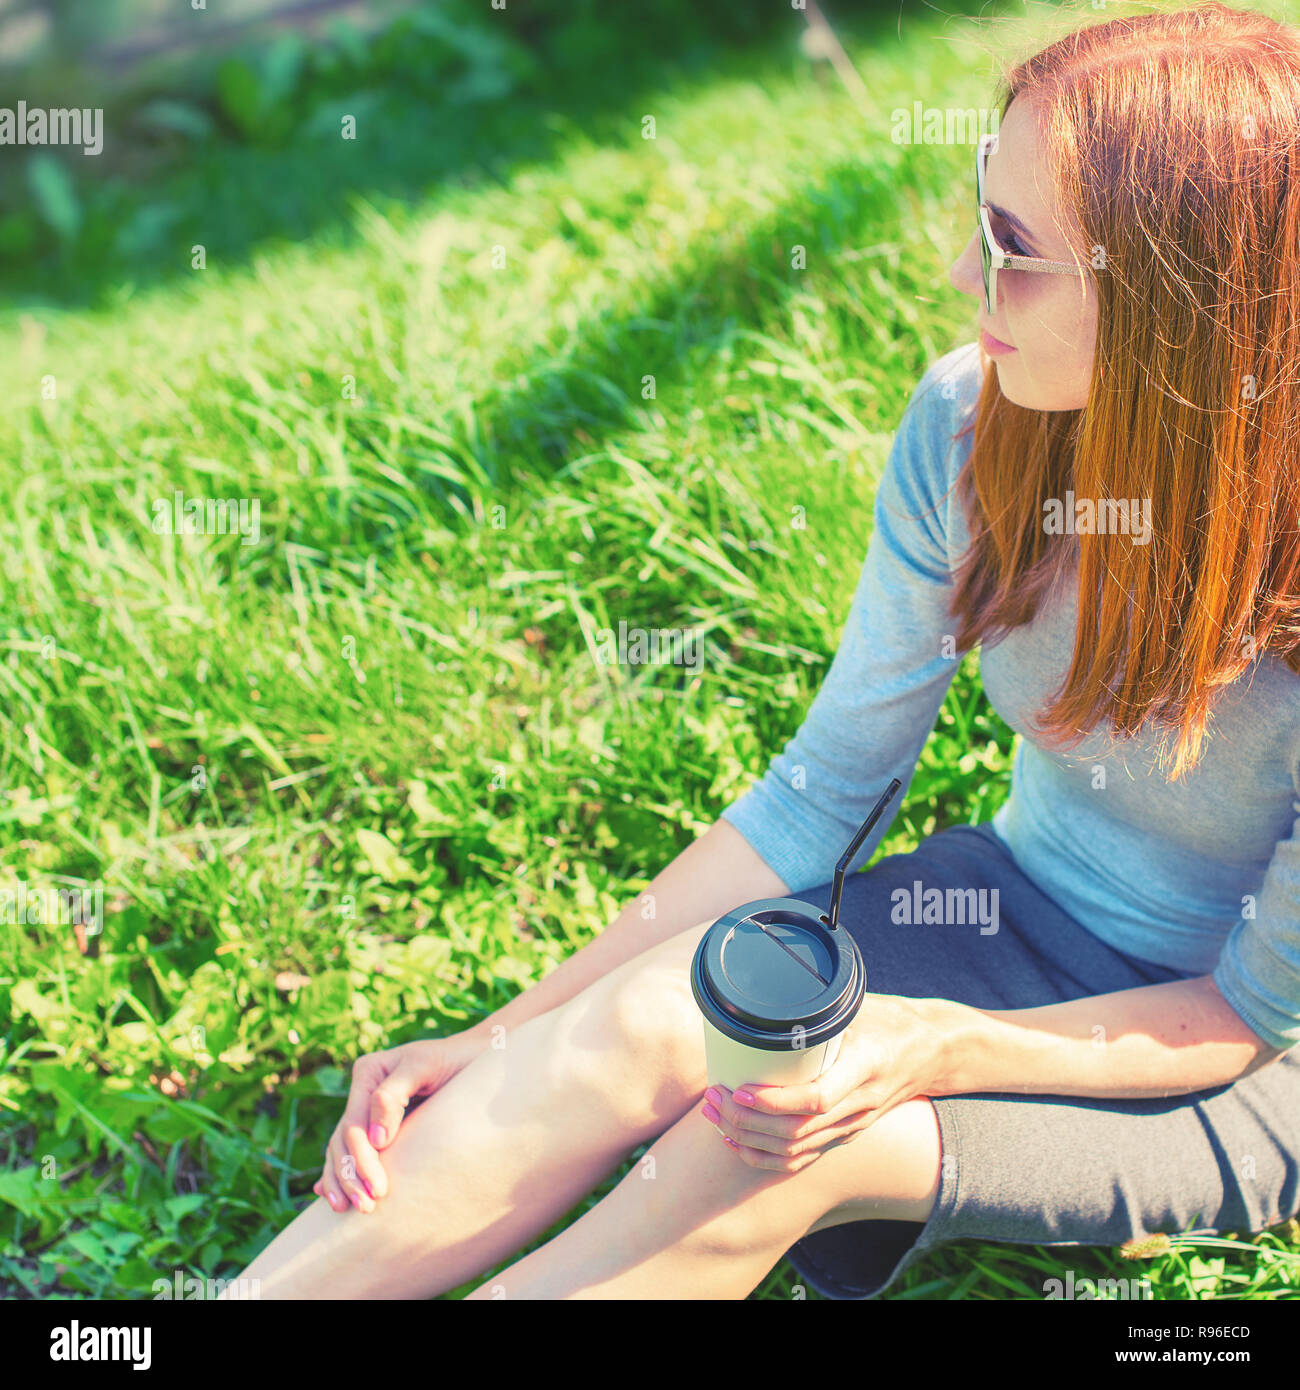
(234, 199)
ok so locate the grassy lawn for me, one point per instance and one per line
(361, 781)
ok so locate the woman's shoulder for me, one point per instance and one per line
(940, 406)
(950, 387)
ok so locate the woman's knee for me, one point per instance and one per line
(888, 1172)
(639, 1027)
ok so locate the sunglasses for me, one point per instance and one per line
(992, 256)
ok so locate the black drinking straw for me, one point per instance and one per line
(842, 866)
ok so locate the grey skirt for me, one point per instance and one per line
(1040, 1169)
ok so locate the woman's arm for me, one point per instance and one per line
(718, 871)
(1157, 1040)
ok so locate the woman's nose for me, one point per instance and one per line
(965, 273)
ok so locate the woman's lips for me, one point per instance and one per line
(994, 346)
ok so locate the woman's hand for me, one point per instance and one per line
(893, 1050)
(383, 1083)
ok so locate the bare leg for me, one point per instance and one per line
(693, 1220)
(512, 1142)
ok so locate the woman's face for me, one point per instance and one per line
(1049, 320)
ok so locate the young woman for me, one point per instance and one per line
(1111, 1050)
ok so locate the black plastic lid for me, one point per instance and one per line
(772, 972)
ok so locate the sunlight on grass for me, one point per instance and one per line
(360, 781)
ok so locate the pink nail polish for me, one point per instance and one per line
(710, 1114)
(743, 1097)
(378, 1136)
(727, 1139)
(713, 1096)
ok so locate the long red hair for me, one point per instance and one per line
(1175, 139)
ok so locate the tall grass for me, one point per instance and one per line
(362, 781)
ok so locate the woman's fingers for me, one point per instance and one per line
(348, 1175)
(328, 1187)
(758, 1130)
(754, 1139)
(359, 1170)
(780, 1163)
(383, 1084)
(794, 1136)
(389, 1099)
(775, 1133)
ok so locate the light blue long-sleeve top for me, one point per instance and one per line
(1202, 874)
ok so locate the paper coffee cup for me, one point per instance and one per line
(776, 988)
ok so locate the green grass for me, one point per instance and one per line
(417, 788)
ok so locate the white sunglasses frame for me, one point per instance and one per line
(992, 257)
